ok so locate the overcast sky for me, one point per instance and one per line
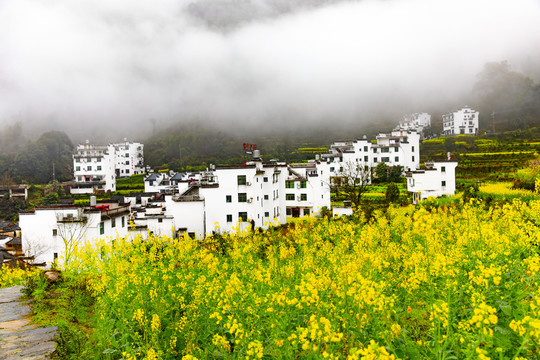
(112, 65)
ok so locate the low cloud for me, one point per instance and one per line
(103, 66)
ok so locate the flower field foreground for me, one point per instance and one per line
(452, 283)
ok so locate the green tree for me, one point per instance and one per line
(394, 175)
(392, 193)
(381, 173)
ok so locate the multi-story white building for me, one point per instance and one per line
(399, 148)
(437, 179)
(255, 194)
(464, 121)
(46, 232)
(129, 159)
(416, 121)
(94, 169)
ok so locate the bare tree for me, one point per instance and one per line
(34, 248)
(351, 182)
(71, 229)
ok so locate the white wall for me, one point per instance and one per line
(438, 181)
(39, 239)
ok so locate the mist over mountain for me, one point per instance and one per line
(104, 70)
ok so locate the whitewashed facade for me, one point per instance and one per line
(226, 199)
(45, 230)
(129, 158)
(464, 121)
(399, 148)
(437, 179)
(94, 169)
(416, 121)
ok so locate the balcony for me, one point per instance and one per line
(180, 198)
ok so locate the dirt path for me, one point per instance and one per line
(19, 338)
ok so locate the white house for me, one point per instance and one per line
(223, 199)
(464, 121)
(129, 158)
(416, 121)
(400, 147)
(47, 231)
(94, 169)
(437, 179)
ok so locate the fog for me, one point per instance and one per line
(113, 68)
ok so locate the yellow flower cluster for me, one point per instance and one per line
(413, 281)
(483, 317)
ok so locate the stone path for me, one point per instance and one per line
(19, 338)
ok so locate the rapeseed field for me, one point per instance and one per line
(453, 282)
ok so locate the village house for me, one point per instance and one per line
(97, 167)
(399, 148)
(436, 179)
(416, 121)
(94, 169)
(47, 231)
(464, 121)
(129, 158)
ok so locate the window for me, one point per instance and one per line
(266, 214)
(413, 158)
(98, 159)
(160, 220)
(289, 197)
(101, 228)
(288, 212)
(413, 148)
(77, 168)
(113, 222)
(242, 180)
(77, 160)
(228, 198)
(374, 159)
(242, 216)
(443, 168)
(396, 159)
(396, 149)
(385, 159)
(306, 212)
(303, 197)
(289, 184)
(127, 171)
(55, 256)
(443, 183)
(89, 168)
(265, 179)
(374, 150)
(365, 148)
(99, 167)
(365, 158)
(54, 232)
(127, 162)
(123, 222)
(229, 218)
(303, 184)
(331, 169)
(242, 197)
(266, 197)
(385, 150)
